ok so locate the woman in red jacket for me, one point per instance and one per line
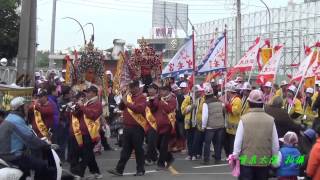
(313, 168)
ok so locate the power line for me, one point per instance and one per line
(145, 10)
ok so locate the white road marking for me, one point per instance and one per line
(147, 172)
(216, 165)
(223, 173)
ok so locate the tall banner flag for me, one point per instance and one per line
(311, 72)
(182, 62)
(269, 70)
(247, 62)
(302, 69)
(215, 60)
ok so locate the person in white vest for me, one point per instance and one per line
(256, 142)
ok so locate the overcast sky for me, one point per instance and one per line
(124, 19)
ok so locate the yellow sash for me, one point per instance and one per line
(150, 118)
(137, 117)
(40, 124)
(76, 130)
(93, 128)
(172, 119)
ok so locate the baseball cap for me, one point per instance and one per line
(290, 138)
(256, 96)
(183, 85)
(92, 89)
(268, 84)
(310, 133)
(230, 87)
(37, 74)
(246, 86)
(199, 88)
(292, 88)
(309, 90)
(181, 76)
(42, 93)
(17, 102)
(208, 90)
(283, 83)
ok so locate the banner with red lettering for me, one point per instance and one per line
(303, 68)
(269, 70)
(247, 62)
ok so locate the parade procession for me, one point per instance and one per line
(231, 106)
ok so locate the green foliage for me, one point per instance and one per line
(42, 59)
(9, 29)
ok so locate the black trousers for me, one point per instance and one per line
(190, 135)
(253, 173)
(42, 171)
(82, 157)
(132, 139)
(165, 155)
(104, 141)
(228, 143)
(152, 154)
(197, 145)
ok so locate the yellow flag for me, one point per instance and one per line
(266, 54)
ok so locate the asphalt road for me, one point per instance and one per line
(185, 169)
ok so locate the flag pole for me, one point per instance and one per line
(300, 84)
(225, 63)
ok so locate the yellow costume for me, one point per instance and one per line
(234, 116)
(187, 112)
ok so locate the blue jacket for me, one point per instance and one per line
(287, 167)
(15, 135)
(54, 100)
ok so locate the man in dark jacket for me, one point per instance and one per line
(281, 118)
(15, 135)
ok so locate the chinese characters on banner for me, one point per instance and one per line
(182, 61)
(215, 60)
(247, 62)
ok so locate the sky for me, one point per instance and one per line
(124, 19)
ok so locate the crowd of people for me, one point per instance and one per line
(235, 120)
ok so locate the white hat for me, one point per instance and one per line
(141, 85)
(175, 87)
(309, 90)
(284, 83)
(64, 70)
(246, 86)
(239, 87)
(37, 74)
(220, 81)
(238, 79)
(108, 72)
(256, 96)
(181, 75)
(290, 138)
(183, 85)
(61, 79)
(268, 84)
(292, 88)
(199, 88)
(208, 90)
(230, 87)
(17, 102)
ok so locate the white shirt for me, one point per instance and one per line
(239, 138)
(205, 115)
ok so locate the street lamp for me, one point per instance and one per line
(270, 35)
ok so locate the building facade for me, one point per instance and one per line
(294, 26)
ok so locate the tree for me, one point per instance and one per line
(9, 29)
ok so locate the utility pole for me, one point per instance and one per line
(27, 43)
(53, 32)
(238, 31)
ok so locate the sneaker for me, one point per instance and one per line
(139, 174)
(148, 163)
(98, 176)
(77, 177)
(193, 158)
(188, 158)
(115, 172)
(205, 162)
